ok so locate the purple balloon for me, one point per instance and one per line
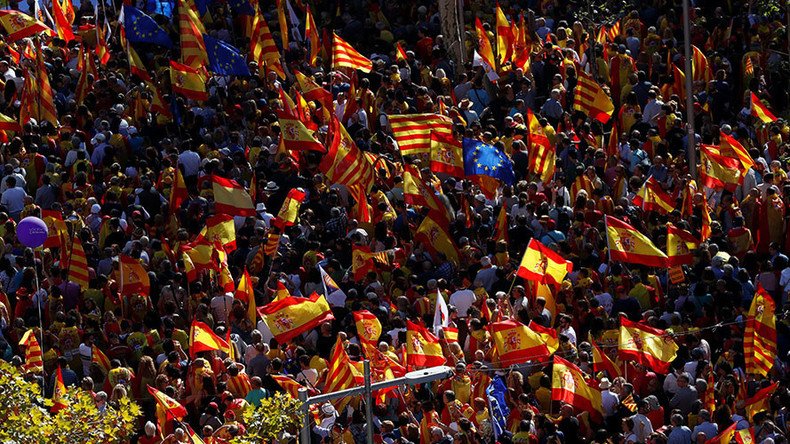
(32, 232)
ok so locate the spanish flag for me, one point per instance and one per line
(761, 401)
(292, 316)
(78, 264)
(680, 244)
(541, 264)
(700, 68)
(436, 238)
(101, 359)
(742, 436)
(62, 24)
(219, 229)
(422, 347)
(341, 374)
(484, 45)
(313, 91)
(34, 361)
(730, 147)
(134, 279)
(231, 198)
(9, 124)
(172, 408)
(311, 34)
(361, 262)
(188, 81)
(289, 211)
(245, 293)
(516, 343)
(759, 338)
(59, 401)
(295, 135)
(651, 197)
(760, 111)
(202, 338)
(198, 256)
(548, 335)
(345, 56)
(505, 39)
(368, 327)
(501, 227)
(602, 362)
(646, 345)
(568, 385)
(19, 25)
(718, 171)
(447, 154)
(626, 244)
(416, 191)
(400, 53)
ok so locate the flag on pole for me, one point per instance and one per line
(760, 402)
(101, 359)
(188, 81)
(422, 347)
(542, 156)
(231, 198)
(505, 40)
(19, 25)
(62, 24)
(292, 316)
(759, 338)
(646, 345)
(591, 99)
(680, 244)
(345, 56)
(441, 315)
(34, 361)
(548, 335)
(172, 408)
(400, 53)
(484, 45)
(331, 289)
(193, 47)
(602, 362)
(202, 338)
(295, 135)
(447, 154)
(78, 264)
(59, 401)
(516, 343)
(717, 171)
(413, 131)
(542, 264)
(133, 276)
(651, 197)
(626, 244)
(311, 33)
(568, 385)
(760, 111)
(368, 327)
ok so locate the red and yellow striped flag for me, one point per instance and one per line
(709, 402)
(292, 316)
(190, 30)
(501, 227)
(680, 244)
(102, 50)
(651, 197)
(505, 40)
(760, 111)
(591, 99)
(34, 361)
(345, 56)
(626, 244)
(345, 163)
(341, 374)
(548, 335)
(55, 225)
(231, 198)
(78, 264)
(484, 45)
(262, 47)
(101, 359)
(568, 385)
(283, 22)
(59, 401)
(311, 33)
(368, 327)
(646, 345)
(699, 66)
(516, 343)
(202, 338)
(759, 338)
(37, 98)
(542, 264)
(289, 385)
(422, 347)
(62, 24)
(413, 131)
(542, 156)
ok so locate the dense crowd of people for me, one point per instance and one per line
(108, 168)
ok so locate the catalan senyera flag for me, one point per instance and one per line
(9, 124)
(341, 374)
(422, 347)
(680, 244)
(679, 83)
(262, 47)
(742, 436)
(761, 401)
(730, 147)
(591, 99)
(289, 385)
(651, 197)
(516, 343)
(292, 316)
(19, 25)
(231, 198)
(436, 238)
(484, 45)
(345, 56)
(55, 226)
(447, 154)
(188, 81)
(88, 69)
(368, 327)
(717, 171)
(542, 156)
(542, 264)
(172, 408)
(760, 111)
(759, 338)
(646, 345)
(59, 401)
(219, 229)
(311, 33)
(709, 401)
(202, 338)
(345, 163)
(283, 22)
(133, 277)
(78, 264)
(501, 227)
(601, 361)
(626, 244)
(295, 135)
(413, 131)
(289, 211)
(37, 100)
(190, 31)
(568, 385)
(101, 359)
(700, 68)
(548, 335)
(34, 361)
(102, 50)
(505, 40)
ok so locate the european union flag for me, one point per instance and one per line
(224, 59)
(496, 400)
(241, 7)
(482, 159)
(140, 28)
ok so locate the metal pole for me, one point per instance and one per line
(40, 320)
(304, 433)
(691, 145)
(368, 400)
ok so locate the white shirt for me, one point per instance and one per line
(609, 402)
(190, 160)
(220, 307)
(570, 333)
(642, 427)
(463, 300)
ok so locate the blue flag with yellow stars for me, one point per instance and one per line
(487, 160)
(224, 59)
(140, 28)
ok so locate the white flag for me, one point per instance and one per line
(441, 316)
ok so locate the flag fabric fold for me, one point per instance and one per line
(568, 385)
(542, 264)
(626, 244)
(646, 345)
(516, 343)
(292, 316)
(759, 338)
